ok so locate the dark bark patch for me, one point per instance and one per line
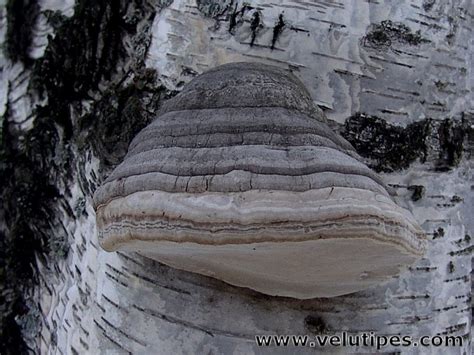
(120, 114)
(37, 166)
(439, 233)
(451, 139)
(418, 191)
(451, 267)
(213, 8)
(55, 18)
(383, 35)
(389, 147)
(315, 324)
(392, 148)
(84, 51)
(428, 4)
(33, 167)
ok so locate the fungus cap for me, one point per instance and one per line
(240, 178)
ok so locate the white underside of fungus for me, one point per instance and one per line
(239, 178)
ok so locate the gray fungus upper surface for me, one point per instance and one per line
(244, 85)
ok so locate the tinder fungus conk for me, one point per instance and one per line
(239, 178)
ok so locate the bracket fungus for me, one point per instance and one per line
(240, 178)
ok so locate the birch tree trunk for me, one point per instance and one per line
(80, 79)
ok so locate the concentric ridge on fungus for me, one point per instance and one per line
(240, 178)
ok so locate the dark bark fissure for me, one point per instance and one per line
(22, 15)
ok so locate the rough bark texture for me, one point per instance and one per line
(79, 80)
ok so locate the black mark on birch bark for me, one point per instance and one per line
(277, 30)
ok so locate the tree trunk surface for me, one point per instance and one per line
(80, 79)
